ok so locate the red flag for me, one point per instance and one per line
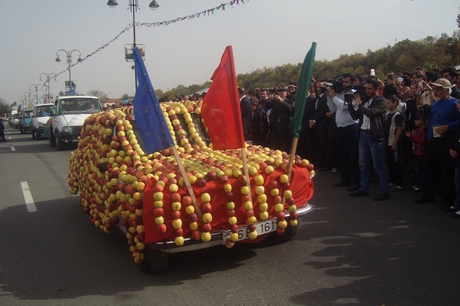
(221, 106)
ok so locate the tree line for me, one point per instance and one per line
(429, 53)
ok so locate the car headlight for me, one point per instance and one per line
(41, 124)
(67, 129)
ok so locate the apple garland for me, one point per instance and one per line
(232, 220)
(206, 208)
(261, 197)
(110, 170)
(192, 217)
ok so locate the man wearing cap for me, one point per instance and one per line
(443, 123)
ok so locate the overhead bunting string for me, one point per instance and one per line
(221, 7)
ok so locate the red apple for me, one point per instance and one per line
(161, 228)
(175, 214)
(229, 196)
(206, 207)
(196, 235)
(206, 227)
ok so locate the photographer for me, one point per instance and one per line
(347, 134)
(372, 114)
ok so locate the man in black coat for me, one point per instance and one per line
(2, 130)
(280, 119)
(245, 106)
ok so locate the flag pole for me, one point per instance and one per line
(246, 171)
(295, 141)
(299, 106)
(187, 183)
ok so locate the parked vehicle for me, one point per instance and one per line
(25, 118)
(41, 114)
(14, 121)
(68, 115)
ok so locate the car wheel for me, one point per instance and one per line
(52, 140)
(154, 261)
(58, 141)
(288, 234)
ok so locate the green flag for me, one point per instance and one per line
(302, 88)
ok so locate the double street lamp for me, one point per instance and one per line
(69, 61)
(48, 77)
(36, 91)
(133, 7)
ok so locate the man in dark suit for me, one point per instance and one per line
(280, 119)
(2, 130)
(319, 122)
(245, 106)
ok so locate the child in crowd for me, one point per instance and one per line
(393, 131)
(418, 137)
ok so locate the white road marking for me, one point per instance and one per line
(13, 149)
(28, 197)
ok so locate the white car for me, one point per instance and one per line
(69, 114)
(40, 116)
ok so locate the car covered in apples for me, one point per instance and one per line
(186, 197)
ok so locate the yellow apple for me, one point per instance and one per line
(179, 240)
(177, 223)
(253, 235)
(206, 236)
(205, 197)
(207, 218)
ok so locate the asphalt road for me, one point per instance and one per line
(349, 251)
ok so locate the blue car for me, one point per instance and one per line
(25, 119)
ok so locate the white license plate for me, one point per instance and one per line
(263, 227)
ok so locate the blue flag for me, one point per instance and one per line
(147, 111)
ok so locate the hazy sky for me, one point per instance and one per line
(264, 33)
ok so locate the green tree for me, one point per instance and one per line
(3, 106)
(97, 93)
(126, 97)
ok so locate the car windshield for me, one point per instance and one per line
(79, 106)
(43, 111)
(27, 114)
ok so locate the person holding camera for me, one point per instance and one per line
(347, 134)
(372, 114)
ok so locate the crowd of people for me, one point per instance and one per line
(366, 128)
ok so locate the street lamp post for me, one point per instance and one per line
(36, 91)
(48, 76)
(69, 61)
(27, 100)
(133, 7)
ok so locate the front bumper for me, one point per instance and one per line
(217, 238)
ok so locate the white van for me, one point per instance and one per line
(40, 116)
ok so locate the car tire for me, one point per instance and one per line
(52, 140)
(288, 234)
(154, 261)
(58, 141)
